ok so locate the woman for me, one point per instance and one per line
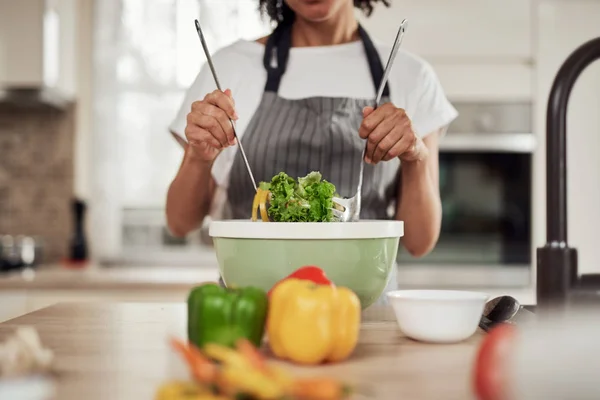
(303, 102)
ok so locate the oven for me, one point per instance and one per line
(486, 162)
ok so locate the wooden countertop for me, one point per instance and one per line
(119, 352)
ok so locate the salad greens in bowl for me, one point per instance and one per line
(297, 228)
(309, 199)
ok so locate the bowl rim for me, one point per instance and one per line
(365, 229)
(435, 295)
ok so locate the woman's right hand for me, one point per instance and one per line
(208, 129)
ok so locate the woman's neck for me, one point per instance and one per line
(342, 28)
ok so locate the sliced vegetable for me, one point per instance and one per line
(282, 377)
(251, 382)
(239, 375)
(251, 355)
(262, 204)
(320, 389)
(311, 324)
(202, 369)
(177, 390)
(309, 273)
(255, 204)
(244, 373)
(225, 355)
(223, 315)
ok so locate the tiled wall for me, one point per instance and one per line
(36, 176)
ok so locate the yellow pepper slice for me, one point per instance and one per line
(252, 382)
(225, 355)
(263, 206)
(179, 390)
(311, 324)
(282, 377)
(255, 204)
(260, 203)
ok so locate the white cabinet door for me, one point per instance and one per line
(486, 82)
(564, 26)
(479, 30)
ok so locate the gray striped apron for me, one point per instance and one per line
(312, 134)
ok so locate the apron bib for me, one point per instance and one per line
(312, 134)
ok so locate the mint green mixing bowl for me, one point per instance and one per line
(356, 255)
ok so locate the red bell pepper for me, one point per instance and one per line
(307, 273)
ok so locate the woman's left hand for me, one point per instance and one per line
(389, 134)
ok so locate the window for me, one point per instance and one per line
(146, 54)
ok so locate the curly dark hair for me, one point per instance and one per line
(269, 8)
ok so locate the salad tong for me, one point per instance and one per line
(348, 210)
(214, 74)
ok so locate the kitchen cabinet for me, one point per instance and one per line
(486, 83)
(481, 50)
(38, 44)
(476, 30)
(553, 45)
(21, 44)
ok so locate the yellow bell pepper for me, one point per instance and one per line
(311, 324)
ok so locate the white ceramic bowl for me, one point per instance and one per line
(437, 316)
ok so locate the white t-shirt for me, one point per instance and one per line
(329, 71)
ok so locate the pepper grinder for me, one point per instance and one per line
(78, 246)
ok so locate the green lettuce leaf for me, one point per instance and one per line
(310, 199)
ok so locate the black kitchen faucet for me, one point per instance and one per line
(558, 281)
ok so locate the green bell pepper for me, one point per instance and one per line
(222, 315)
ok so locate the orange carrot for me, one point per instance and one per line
(201, 367)
(319, 389)
(251, 354)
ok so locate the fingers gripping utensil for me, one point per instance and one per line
(214, 74)
(346, 210)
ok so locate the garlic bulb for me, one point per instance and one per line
(23, 354)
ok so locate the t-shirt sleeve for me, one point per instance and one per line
(199, 88)
(433, 110)
(202, 85)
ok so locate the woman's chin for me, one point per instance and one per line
(315, 11)
(317, 16)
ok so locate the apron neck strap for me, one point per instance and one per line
(277, 52)
(375, 65)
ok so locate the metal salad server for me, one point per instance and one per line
(214, 74)
(348, 210)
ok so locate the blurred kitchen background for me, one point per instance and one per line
(89, 88)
